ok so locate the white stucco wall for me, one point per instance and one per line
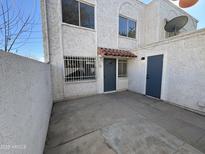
(78, 89)
(70, 40)
(25, 104)
(61, 39)
(79, 41)
(52, 32)
(169, 11)
(183, 71)
(108, 12)
(67, 40)
(150, 31)
(155, 15)
(122, 84)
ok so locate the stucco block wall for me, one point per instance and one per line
(183, 71)
(25, 103)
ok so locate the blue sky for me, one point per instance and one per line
(34, 46)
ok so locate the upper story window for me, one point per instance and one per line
(79, 14)
(127, 27)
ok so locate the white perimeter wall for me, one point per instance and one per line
(25, 103)
(183, 80)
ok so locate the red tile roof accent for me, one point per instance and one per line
(115, 52)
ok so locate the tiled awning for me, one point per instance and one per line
(115, 52)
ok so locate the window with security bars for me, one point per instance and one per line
(79, 68)
(122, 68)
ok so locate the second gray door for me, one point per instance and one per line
(154, 76)
(109, 74)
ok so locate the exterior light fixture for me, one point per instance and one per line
(143, 58)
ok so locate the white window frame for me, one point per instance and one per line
(127, 18)
(122, 61)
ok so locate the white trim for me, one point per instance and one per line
(117, 79)
(78, 27)
(83, 81)
(115, 57)
(127, 19)
(126, 37)
(85, 2)
(125, 62)
(79, 18)
(124, 16)
(123, 78)
(109, 92)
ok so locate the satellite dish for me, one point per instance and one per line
(176, 24)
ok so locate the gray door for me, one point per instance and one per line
(109, 74)
(154, 76)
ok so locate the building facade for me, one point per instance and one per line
(91, 44)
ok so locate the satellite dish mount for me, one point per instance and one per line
(175, 24)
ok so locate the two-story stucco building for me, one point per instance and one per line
(91, 44)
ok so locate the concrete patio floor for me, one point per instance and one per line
(124, 123)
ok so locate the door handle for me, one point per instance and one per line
(148, 77)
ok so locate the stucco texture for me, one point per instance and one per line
(25, 104)
(65, 39)
(183, 71)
